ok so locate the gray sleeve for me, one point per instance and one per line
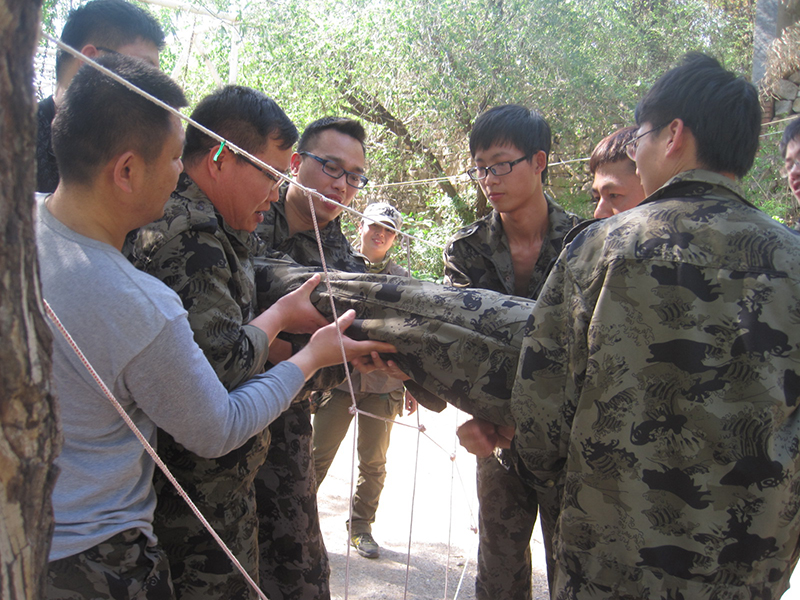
(173, 383)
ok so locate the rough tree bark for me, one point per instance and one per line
(28, 426)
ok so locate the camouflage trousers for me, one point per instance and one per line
(293, 562)
(124, 567)
(460, 345)
(224, 491)
(506, 517)
(331, 422)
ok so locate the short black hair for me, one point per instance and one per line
(720, 109)
(100, 118)
(792, 132)
(242, 115)
(343, 125)
(108, 23)
(611, 149)
(512, 124)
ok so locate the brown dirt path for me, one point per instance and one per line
(385, 578)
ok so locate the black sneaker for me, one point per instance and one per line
(365, 545)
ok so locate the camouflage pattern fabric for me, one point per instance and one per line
(461, 345)
(479, 256)
(302, 246)
(658, 383)
(657, 388)
(208, 264)
(123, 567)
(293, 559)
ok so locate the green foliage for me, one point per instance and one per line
(418, 72)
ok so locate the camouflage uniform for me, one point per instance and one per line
(376, 394)
(478, 256)
(124, 566)
(208, 263)
(657, 388)
(293, 559)
(658, 383)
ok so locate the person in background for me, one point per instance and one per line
(97, 28)
(331, 159)
(790, 153)
(616, 186)
(375, 393)
(509, 251)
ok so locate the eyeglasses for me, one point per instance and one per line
(249, 161)
(633, 145)
(331, 169)
(497, 169)
(789, 166)
(269, 175)
(109, 50)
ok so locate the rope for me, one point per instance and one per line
(231, 146)
(413, 499)
(148, 448)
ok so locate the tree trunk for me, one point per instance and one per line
(28, 426)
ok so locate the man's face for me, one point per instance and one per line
(616, 188)
(792, 166)
(375, 240)
(514, 190)
(247, 190)
(163, 172)
(342, 150)
(651, 165)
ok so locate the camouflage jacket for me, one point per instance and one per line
(478, 255)
(658, 382)
(302, 246)
(209, 265)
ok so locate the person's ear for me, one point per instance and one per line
(678, 137)
(216, 159)
(91, 51)
(125, 171)
(294, 165)
(540, 161)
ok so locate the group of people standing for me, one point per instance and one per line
(632, 381)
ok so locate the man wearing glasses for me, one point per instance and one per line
(97, 28)
(331, 159)
(508, 251)
(203, 249)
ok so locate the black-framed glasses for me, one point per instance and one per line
(269, 175)
(633, 145)
(249, 161)
(331, 169)
(109, 50)
(497, 169)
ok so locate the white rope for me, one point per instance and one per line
(148, 448)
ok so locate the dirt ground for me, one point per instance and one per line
(440, 484)
(442, 507)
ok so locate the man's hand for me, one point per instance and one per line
(481, 437)
(374, 362)
(410, 403)
(295, 313)
(324, 350)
